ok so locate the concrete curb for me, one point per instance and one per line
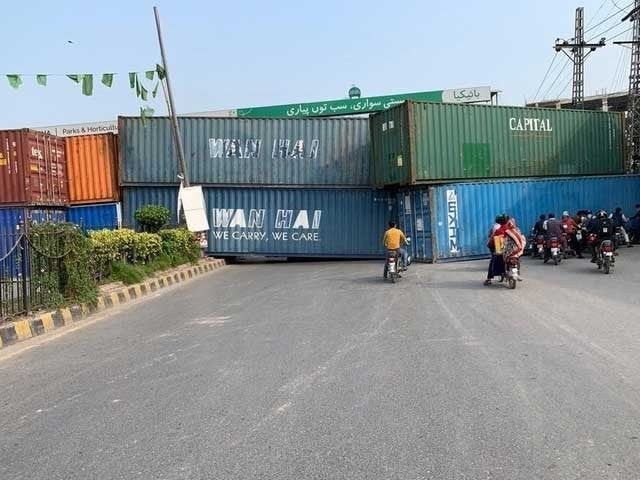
(14, 332)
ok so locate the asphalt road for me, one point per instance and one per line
(322, 371)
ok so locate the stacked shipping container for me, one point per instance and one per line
(417, 146)
(93, 181)
(422, 143)
(288, 187)
(32, 169)
(451, 221)
(33, 181)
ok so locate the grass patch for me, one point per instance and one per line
(125, 273)
(130, 274)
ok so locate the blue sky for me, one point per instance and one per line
(250, 53)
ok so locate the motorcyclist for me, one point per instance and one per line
(619, 221)
(538, 228)
(570, 227)
(393, 240)
(553, 228)
(602, 227)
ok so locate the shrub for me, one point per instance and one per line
(146, 246)
(152, 217)
(180, 245)
(61, 265)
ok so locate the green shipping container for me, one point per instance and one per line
(432, 142)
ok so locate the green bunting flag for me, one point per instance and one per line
(87, 85)
(41, 80)
(75, 77)
(107, 79)
(155, 90)
(133, 79)
(149, 74)
(137, 87)
(14, 80)
(161, 72)
(143, 93)
(145, 112)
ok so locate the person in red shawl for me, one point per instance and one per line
(507, 245)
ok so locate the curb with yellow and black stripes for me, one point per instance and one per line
(21, 330)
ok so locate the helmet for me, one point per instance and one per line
(601, 214)
(565, 213)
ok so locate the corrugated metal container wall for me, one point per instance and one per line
(311, 151)
(32, 169)
(96, 217)
(464, 212)
(414, 219)
(427, 142)
(12, 217)
(340, 223)
(93, 171)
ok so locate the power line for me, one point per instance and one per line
(621, 33)
(616, 5)
(597, 12)
(626, 58)
(606, 31)
(606, 19)
(545, 76)
(616, 73)
(556, 79)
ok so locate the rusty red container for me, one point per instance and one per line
(33, 169)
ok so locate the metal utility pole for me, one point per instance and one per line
(577, 48)
(172, 107)
(633, 100)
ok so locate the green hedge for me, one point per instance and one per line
(118, 253)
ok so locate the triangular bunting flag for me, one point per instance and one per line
(161, 71)
(41, 79)
(107, 79)
(14, 80)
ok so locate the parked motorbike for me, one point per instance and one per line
(605, 256)
(553, 251)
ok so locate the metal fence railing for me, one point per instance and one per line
(28, 274)
(14, 270)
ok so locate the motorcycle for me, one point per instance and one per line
(553, 251)
(605, 256)
(512, 271)
(619, 238)
(395, 264)
(530, 247)
(539, 250)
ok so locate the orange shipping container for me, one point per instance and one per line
(93, 172)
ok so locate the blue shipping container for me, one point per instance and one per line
(10, 220)
(96, 217)
(244, 151)
(414, 219)
(337, 223)
(464, 212)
